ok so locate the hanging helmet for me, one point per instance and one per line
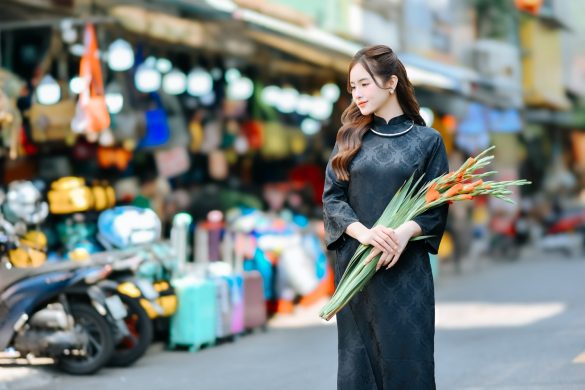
(24, 203)
(124, 226)
(31, 250)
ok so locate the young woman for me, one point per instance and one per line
(386, 333)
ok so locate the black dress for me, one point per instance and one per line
(386, 333)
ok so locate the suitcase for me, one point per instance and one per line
(235, 280)
(236, 284)
(263, 265)
(255, 315)
(194, 323)
(223, 307)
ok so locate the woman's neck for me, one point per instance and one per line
(389, 110)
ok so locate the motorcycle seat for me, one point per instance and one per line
(10, 276)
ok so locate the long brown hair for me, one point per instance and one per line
(379, 61)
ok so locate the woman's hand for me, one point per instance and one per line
(401, 236)
(382, 238)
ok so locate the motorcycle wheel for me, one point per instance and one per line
(99, 348)
(131, 348)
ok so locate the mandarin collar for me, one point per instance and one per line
(393, 126)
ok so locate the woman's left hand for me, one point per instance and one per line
(403, 233)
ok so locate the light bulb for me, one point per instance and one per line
(310, 126)
(199, 82)
(271, 95)
(115, 102)
(120, 56)
(289, 98)
(330, 92)
(76, 85)
(147, 79)
(321, 109)
(164, 65)
(304, 104)
(240, 89)
(232, 75)
(175, 82)
(48, 92)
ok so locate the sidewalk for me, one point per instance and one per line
(16, 378)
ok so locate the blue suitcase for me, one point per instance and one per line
(194, 323)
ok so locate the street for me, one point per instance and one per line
(500, 325)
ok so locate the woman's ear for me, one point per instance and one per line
(392, 83)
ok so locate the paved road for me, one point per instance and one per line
(502, 326)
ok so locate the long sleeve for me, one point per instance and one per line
(433, 221)
(337, 213)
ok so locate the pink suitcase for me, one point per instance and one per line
(255, 315)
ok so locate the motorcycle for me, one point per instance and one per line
(564, 232)
(129, 233)
(138, 297)
(58, 311)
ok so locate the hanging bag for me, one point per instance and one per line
(91, 112)
(157, 126)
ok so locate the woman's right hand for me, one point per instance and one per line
(380, 237)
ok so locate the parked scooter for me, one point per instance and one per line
(57, 311)
(138, 277)
(564, 232)
(138, 296)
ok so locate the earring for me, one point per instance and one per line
(391, 91)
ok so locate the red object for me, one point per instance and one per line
(28, 147)
(312, 175)
(253, 132)
(531, 6)
(568, 224)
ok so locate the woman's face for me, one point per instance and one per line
(365, 93)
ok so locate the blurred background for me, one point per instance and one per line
(192, 135)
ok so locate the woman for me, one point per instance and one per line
(386, 333)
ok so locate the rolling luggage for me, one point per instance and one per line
(236, 283)
(205, 243)
(255, 315)
(194, 323)
(254, 284)
(223, 308)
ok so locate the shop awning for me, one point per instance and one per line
(427, 72)
(298, 49)
(314, 44)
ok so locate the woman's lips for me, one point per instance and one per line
(361, 104)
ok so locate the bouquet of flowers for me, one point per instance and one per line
(411, 201)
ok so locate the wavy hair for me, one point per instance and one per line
(381, 63)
